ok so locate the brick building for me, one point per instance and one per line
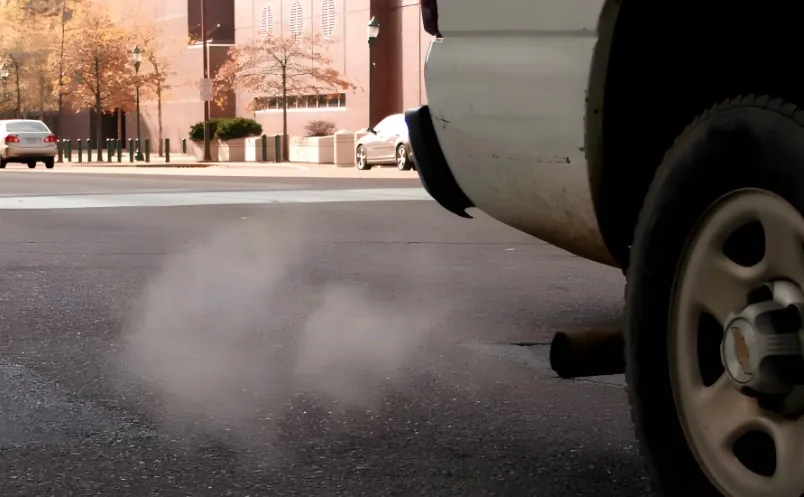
(398, 57)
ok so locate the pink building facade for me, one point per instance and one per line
(398, 57)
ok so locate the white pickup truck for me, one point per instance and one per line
(662, 138)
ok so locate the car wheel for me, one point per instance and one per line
(3, 163)
(31, 165)
(361, 158)
(402, 161)
(50, 163)
(714, 307)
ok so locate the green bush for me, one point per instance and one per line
(238, 127)
(197, 129)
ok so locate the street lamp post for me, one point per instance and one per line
(205, 60)
(373, 31)
(136, 59)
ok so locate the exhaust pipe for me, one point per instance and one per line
(588, 353)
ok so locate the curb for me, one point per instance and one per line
(68, 165)
(200, 166)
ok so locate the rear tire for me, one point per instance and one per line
(50, 163)
(31, 165)
(3, 163)
(752, 143)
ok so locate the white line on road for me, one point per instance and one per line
(210, 198)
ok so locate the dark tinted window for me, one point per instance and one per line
(216, 12)
(27, 127)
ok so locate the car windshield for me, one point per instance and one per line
(26, 126)
(392, 123)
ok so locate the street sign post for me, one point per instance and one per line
(206, 90)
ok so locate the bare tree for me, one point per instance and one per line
(159, 52)
(280, 67)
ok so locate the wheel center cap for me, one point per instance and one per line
(739, 350)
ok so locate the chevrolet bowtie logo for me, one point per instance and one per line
(741, 351)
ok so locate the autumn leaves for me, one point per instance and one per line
(76, 56)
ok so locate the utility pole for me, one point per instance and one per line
(207, 152)
(136, 57)
(59, 124)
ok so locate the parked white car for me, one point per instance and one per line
(27, 141)
(387, 143)
(665, 139)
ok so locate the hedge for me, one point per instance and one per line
(197, 129)
(238, 127)
(226, 129)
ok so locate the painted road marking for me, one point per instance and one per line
(167, 199)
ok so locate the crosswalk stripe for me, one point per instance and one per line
(168, 199)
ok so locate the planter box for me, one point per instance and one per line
(344, 147)
(316, 150)
(253, 149)
(196, 149)
(232, 150)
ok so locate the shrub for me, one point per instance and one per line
(320, 128)
(238, 127)
(197, 129)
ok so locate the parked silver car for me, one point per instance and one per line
(27, 141)
(387, 143)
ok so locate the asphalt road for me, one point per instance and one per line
(292, 347)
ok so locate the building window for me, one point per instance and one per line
(267, 22)
(328, 17)
(296, 19)
(220, 12)
(303, 102)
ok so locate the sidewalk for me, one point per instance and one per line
(154, 161)
(187, 165)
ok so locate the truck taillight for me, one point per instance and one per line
(430, 17)
(50, 139)
(12, 139)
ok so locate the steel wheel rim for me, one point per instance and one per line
(714, 417)
(401, 157)
(361, 156)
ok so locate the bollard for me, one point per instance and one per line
(131, 150)
(79, 145)
(89, 149)
(69, 151)
(109, 150)
(167, 150)
(278, 149)
(184, 146)
(264, 147)
(60, 150)
(147, 151)
(119, 149)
